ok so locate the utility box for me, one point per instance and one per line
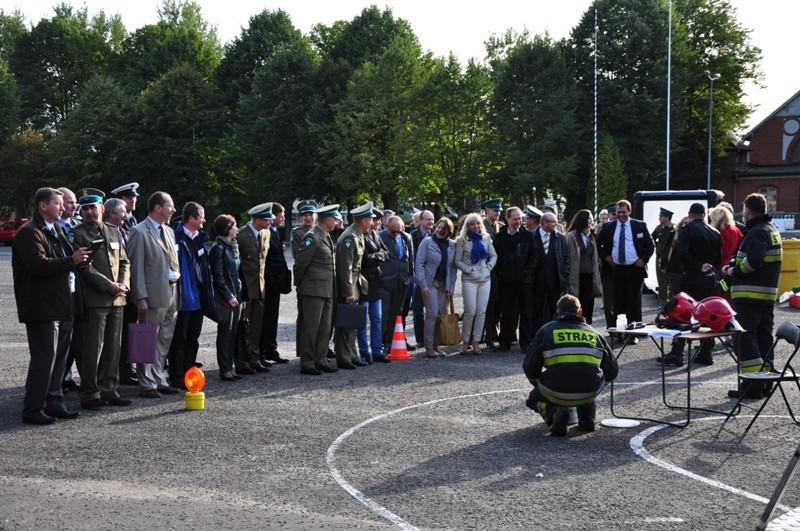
(648, 205)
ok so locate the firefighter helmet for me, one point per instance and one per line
(679, 309)
(714, 312)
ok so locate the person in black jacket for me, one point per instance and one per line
(374, 255)
(551, 276)
(228, 300)
(516, 260)
(568, 364)
(43, 263)
(277, 280)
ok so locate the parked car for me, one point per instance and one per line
(9, 229)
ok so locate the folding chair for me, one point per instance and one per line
(769, 377)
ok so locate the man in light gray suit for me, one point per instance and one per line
(396, 273)
(154, 284)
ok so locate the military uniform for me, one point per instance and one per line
(662, 236)
(103, 331)
(350, 283)
(315, 279)
(295, 239)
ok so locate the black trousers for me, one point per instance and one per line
(183, 350)
(544, 307)
(515, 313)
(586, 295)
(755, 342)
(628, 282)
(698, 286)
(48, 343)
(268, 344)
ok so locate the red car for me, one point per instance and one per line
(9, 229)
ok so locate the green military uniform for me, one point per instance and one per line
(103, 331)
(350, 283)
(663, 235)
(315, 278)
(295, 239)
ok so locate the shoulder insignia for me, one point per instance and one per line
(348, 243)
(291, 237)
(71, 236)
(308, 241)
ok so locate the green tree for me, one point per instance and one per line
(10, 103)
(181, 36)
(53, 61)
(84, 150)
(534, 104)
(612, 183)
(267, 33)
(23, 163)
(172, 136)
(12, 26)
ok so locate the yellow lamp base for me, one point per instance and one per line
(195, 401)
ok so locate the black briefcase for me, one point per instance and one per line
(351, 316)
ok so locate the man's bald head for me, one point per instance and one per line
(395, 224)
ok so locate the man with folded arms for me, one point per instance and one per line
(105, 281)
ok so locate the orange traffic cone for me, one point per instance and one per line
(399, 351)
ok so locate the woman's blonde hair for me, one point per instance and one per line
(468, 219)
(721, 218)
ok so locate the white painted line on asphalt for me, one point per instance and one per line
(360, 496)
(637, 445)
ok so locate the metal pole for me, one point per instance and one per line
(596, 32)
(711, 79)
(669, 85)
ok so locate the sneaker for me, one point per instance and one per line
(560, 418)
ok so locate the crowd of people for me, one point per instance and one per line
(110, 270)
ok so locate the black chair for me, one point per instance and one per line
(770, 378)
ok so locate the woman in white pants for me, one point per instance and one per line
(475, 257)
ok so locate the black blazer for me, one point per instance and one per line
(642, 240)
(375, 254)
(397, 271)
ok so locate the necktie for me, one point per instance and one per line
(400, 249)
(173, 259)
(122, 237)
(621, 252)
(546, 241)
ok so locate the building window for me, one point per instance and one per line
(771, 193)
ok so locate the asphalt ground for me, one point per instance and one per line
(428, 443)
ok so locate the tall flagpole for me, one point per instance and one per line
(596, 32)
(669, 86)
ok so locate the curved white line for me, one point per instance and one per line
(637, 445)
(360, 496)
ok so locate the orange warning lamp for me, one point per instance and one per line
(195, 380)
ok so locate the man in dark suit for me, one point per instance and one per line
(277, 280)
(626, 246)
(155, 273)
(42, 260)
(396, 274)
(492, 225)
(551, 276)
(253, 241)
(106, 281)
(517, 256)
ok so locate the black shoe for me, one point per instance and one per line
(198, 364)
(62, 414)
(359, 363)
(39, 418)
(168, 390)
(411, 346)
(328, 368)
(94, 404)
(703, 358)
(245, 370)
(311, 371)
(70, 385)
(560, 419)
(331, 354)
(346, 366)
(230, 378)
(259, 368)
(276, 358)
(381, 359)
(633, 341)
(503, 347)
(747, 393)
(586, 424)
(119, 401)
(673, 360)
(130, 380)
(367, 359)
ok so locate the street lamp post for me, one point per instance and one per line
(711, 79)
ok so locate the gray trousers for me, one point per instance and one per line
(48, 342)
(152, 375)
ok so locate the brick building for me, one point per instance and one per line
(767, 160)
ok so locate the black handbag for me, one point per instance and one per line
(351, 316)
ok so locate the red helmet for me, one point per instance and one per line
(714, 312)
(679, 309)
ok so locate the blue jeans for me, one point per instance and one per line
(374, 316)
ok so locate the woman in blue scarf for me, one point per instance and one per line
(435, 275)
(475, 257)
